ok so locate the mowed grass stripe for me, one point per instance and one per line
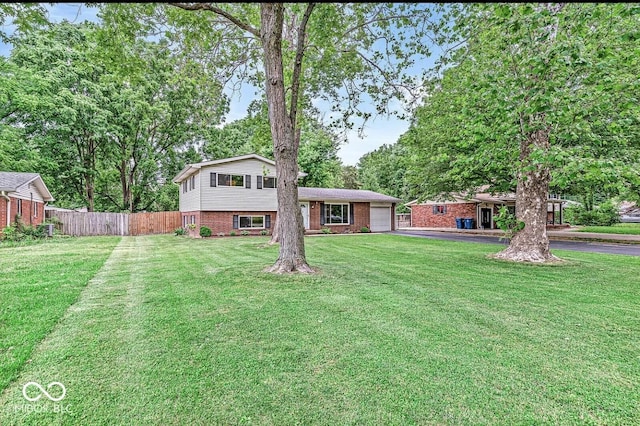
(38, 282)
(392, 330)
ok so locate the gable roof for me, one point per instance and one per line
(12, 181)
(191, 169)
(362, 195)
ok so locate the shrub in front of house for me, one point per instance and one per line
(264, 232)
(205, 231)
(326, 230)
(244, 233)
(604, 215)
(364, 229)
(180, 231)
(18, 231)
(232, 233)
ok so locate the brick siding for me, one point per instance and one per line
(222, 222)
(29, 215)
(361, 217)
(422, 215)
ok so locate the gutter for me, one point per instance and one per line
(4, 195)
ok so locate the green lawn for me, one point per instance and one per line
(393, 330)
(618, 228)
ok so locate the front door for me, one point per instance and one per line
(304, 209)
(485, 218)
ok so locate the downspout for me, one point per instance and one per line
(4, 195)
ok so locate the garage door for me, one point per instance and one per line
(380, 219)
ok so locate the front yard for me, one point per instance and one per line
(618, 228)
(393, 330)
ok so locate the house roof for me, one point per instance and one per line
(12, 181)
(191, 169)
(321, 194)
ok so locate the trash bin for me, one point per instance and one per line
(468, 223)
(459, 224)
(49, 229)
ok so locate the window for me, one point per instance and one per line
(192, 182)
(184, 221)
(336, 214)
(193, 219)
(269, 182)
(34, 208)
(251, 222)
(230, 180)
(184, 186)
(19, 206)
(439, 209)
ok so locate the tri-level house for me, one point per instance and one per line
(22, 195)
(239, 193)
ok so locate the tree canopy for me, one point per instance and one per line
(536, 95)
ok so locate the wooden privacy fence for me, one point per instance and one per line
(92, 223)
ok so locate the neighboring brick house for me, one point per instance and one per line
(481, 208)
(23, 194)
(239, 193)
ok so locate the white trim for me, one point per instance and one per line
(337, 204)
(252, 216)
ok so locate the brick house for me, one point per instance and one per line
(23, 194)
(239, 194)
(481, 208)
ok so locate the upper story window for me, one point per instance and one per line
(269, 182)
(230, 180)
(184, 186)
(266, 182)
(192, 182)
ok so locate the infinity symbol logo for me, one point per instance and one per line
(44, 392)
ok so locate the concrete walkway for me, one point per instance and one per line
(565, 234)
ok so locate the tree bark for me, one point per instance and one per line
(531, 244)
(292, 256)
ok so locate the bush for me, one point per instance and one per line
(264, 232)
(18, 231)
(326, 230)
(245, 233)
(365, 229)
(232, 233)
(205, 231)
(604, 215)
(180, 231)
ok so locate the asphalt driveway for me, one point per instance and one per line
(588, 246)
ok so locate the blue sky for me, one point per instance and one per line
(378, 131)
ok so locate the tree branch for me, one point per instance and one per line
(297, 67)
(211, 8)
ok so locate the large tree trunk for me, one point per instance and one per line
(290, 227)
(531, 244)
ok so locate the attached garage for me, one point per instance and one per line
(380, 218)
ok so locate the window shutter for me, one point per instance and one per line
(247, 181)
(259, 182)
(321, 213)
(212, 179)
(235, 221)
(351, 217)
(267, 221)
